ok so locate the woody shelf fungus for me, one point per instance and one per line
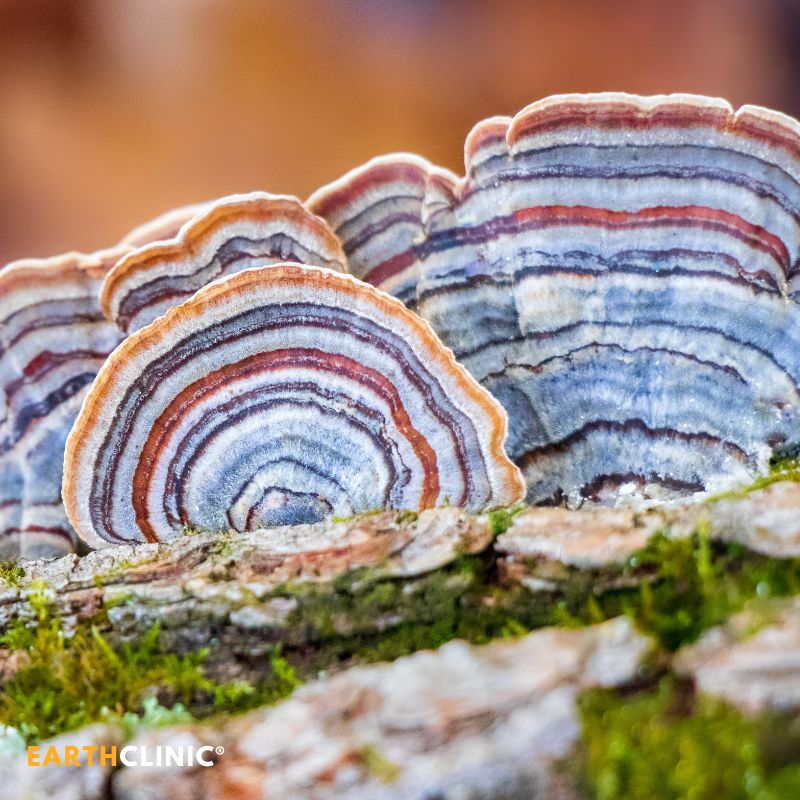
(226, 236)
(620, 272)
(277, 395)
(53, 339)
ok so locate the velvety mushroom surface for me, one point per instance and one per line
(279, 395)
(620, 272)
(224, 237)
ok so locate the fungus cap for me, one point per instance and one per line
(278, 395)
(620, 272)
(226, 236)
(53, 339)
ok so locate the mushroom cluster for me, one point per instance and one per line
(53, 340)
(606, 301)
(218, 239)
(620, 272)
(280, 395)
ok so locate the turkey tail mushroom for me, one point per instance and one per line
(379, 211)
(620, 272)
(278, 395)
(53, 339)
(226, 236)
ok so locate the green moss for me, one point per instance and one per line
(406, 517)
(501, 518)
(691, 584)
(379, 766)
(673, 589)
(152, 715)
(190, 530)
(782, 468)
(73, 680)
(11, 572)
(786, 466)
(350, 517)
(238, 696)
(362, 618)
(667, 744)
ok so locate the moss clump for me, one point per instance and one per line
(11, 573)
(348, 518)
(673, 589)
(668, 744)
(152, 715)
(406, 517)
(693, 584)
(190, 530)
(501, 518)
(73, 680)
(235, 697)
(378, 765)
(359, 617)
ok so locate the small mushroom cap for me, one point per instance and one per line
(403, 193)
(278, 395)
(53, 339)
(621, 272)
(226, 236)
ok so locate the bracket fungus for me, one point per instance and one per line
(53, 339)
(620, 272)
(277, 395)
(224, 237)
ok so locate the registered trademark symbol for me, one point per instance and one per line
(219, 750)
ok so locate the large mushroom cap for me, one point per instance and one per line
(53, 339)
(620, 272)
(224, 237)
(279, 395)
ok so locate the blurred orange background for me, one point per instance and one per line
(115, 110)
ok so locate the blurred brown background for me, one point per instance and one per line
(112, 111)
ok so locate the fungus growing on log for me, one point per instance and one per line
(227, 236)
(620, 272)
(53, 339)
(278, 395)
